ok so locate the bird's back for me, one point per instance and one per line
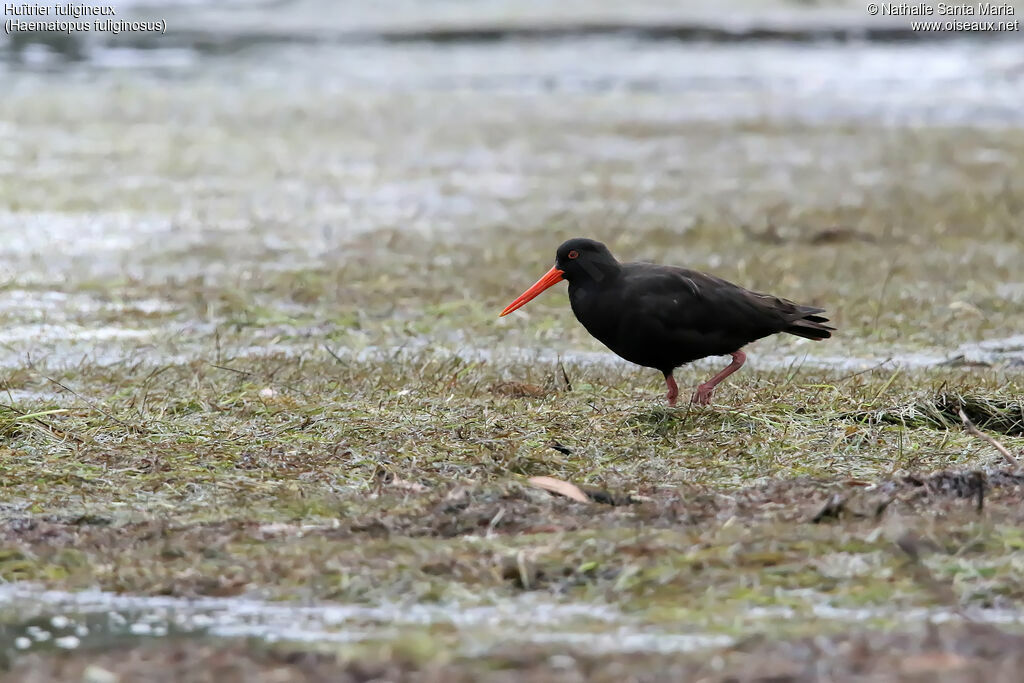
(665, 316)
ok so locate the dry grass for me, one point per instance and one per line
(288, 379)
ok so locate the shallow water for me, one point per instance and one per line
(59, 345)
(946, 83)
(49, 620)
(55, 619)
(54, 330)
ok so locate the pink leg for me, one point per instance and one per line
(673, 389)
(703, 394)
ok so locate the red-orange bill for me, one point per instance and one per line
(551, 277)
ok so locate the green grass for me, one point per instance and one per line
(324, 405)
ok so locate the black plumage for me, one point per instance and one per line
(664, 316)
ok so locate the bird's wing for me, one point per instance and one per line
(691, 302)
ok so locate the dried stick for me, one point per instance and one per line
(969, 426)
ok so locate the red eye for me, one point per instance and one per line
(573, 254)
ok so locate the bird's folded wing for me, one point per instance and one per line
(678, 299)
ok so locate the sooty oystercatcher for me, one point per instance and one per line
(662, 316)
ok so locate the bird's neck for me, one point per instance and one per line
(587, 293)
(598, 275)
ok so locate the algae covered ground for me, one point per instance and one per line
(260, 420)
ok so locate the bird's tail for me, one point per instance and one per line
(810, 325)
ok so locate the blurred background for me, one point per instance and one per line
(351, 167)
(250, 274)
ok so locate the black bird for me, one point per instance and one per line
(663, 316)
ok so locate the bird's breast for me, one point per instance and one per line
(596, 311)
(613, 316)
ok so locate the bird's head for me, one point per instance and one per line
(577, 260)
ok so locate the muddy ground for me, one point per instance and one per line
(259, 419)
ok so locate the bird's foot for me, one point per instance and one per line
(673, 389)
(702, 396)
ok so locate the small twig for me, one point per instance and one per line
(95, 406)
(861, 372)
(881, 295)
(333, 354)
(224, 367)
(969, 426)
(885, 388)
(565, 375)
